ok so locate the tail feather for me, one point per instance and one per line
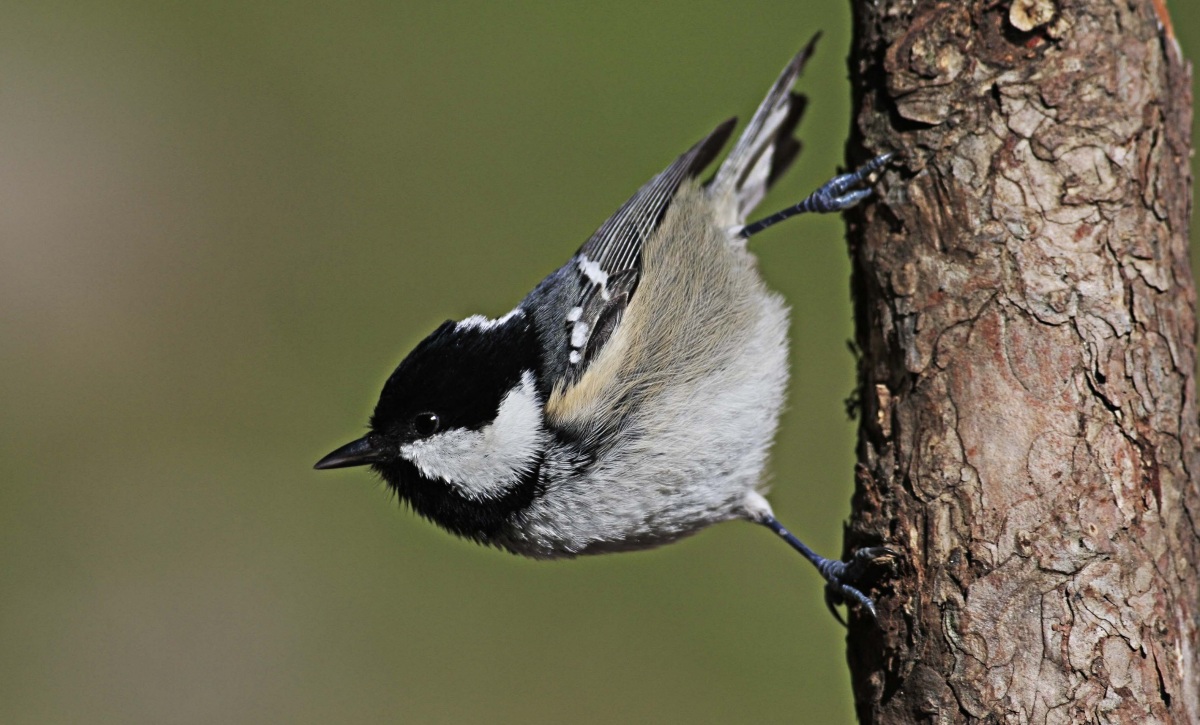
(767, 146)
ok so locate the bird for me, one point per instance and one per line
(632, 398)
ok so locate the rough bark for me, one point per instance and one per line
(1026, 320)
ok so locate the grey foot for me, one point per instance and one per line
(843, 578)
(844, 191)
(840, 192)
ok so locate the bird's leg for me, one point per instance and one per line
(842, 578)
(840, 192)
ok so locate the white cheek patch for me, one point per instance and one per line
(485, 463)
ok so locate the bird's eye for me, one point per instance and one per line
(426, 424)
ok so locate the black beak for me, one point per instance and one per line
(361, 452)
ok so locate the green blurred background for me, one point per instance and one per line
(224, 223)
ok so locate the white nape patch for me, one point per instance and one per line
(579, 334)
(485, 463)
(479, 322)
(595, 275)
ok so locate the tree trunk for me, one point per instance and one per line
(1026, 319)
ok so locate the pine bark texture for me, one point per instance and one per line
(1026, 320)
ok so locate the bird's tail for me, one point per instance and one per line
(767, 146)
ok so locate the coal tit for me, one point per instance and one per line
(632, 397)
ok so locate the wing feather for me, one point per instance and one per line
(616, 246)
(609, 264)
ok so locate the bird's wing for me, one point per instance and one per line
(608, 266)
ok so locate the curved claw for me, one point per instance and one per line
(832, 599)
(875, 164)
(862, 175)
(839, 184)
(875, 554)
(845, 201)
(836, 594)
(841, 577)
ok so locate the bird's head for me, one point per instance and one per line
(458, 430)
